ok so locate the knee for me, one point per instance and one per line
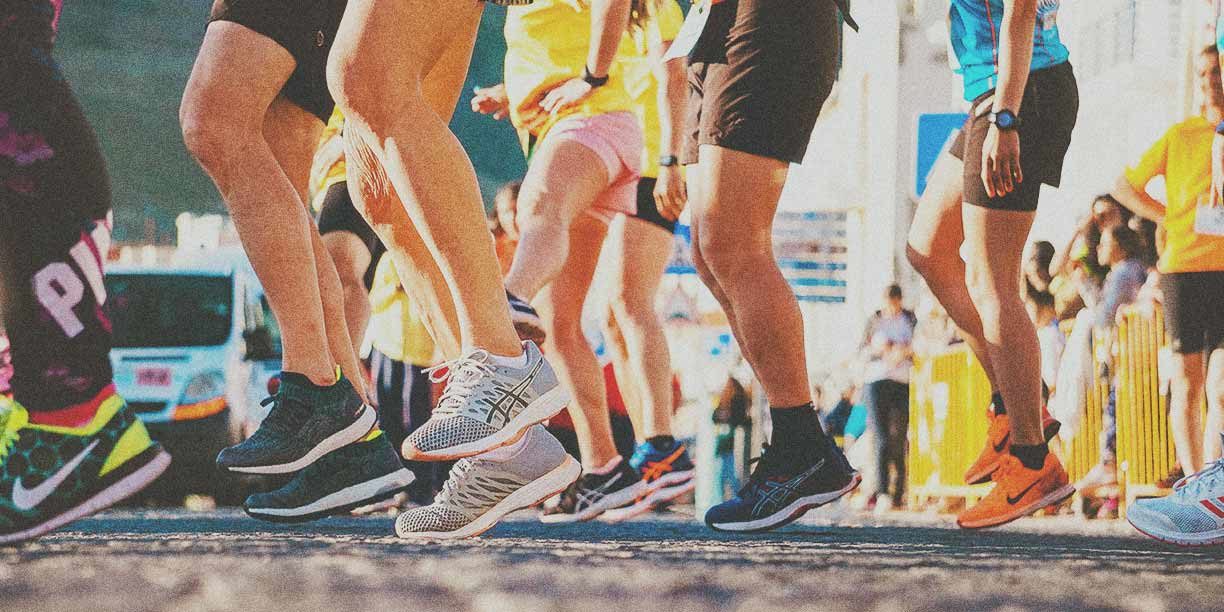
(366, 96)
(729, 255)
(537, 210)
(635, 311)
(209, 133)
(1215, 393)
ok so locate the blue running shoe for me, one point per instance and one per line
(782, 488)
(668, 474)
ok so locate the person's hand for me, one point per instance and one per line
(670, 193)
(1001, 171)
(566, 94)
(491, 101)
(1217, 169)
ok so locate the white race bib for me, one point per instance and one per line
(689, 33)
(1209, 220)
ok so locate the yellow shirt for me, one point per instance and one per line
(637, 70)
(1183, 157)
(547, 43)
(395, 329)
(328, 168)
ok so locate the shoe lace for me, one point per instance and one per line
(285, 416)
(453, 486)
(462, 376)
(1206, 481)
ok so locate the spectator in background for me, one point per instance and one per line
(1037, 273)
(1049, 335)
(6, 364)
(888, 342)
(1191, 266)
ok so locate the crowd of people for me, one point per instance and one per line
(607, 115)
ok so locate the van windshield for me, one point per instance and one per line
(164, 310)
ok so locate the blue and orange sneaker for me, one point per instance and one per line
(668, 474)
(51, 476)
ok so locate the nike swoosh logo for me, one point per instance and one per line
(1011, 501)
(27, 499)
(1002, 443)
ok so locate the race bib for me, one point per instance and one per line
(690, 32)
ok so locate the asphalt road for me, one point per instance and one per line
(134, 561)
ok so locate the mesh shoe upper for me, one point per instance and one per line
(1196, 505)
(778, 481)
(481, 398)
(342, 468)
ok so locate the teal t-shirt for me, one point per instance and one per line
(976, 28)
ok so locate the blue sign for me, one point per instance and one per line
(935, 131)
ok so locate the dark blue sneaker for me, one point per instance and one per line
(527, 321)
(305, 423)
(668, 474)
(782, 488)
(356, 475)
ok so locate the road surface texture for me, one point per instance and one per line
(135, 561)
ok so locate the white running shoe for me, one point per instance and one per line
(1192, 515)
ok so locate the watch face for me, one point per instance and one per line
(1005, 120)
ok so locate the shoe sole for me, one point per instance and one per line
(1050, 499)
(611, 502)
(543, 408)
(655, 498)
(125, 488)
(1214, 537)
(342, 501)
(790, 513)
(362, 426)
(987, 474)
(534, 492)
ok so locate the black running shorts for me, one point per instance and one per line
(759, 75)
(648, 208)
(1194, 317)
(304, 28)
(1047, 116)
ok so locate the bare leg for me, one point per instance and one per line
(614, 348)
(695, 182)
(222, 115)
(560, 307)
(642, 252)
(383, 52)
(1185, 413)
(934, 250)
(736, 206)
(351, 258)
(995, 242)
(1215, 406)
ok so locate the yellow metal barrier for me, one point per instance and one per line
(1083, 452)
(1145, 443)
(948, 399)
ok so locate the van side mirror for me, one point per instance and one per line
(258, 344)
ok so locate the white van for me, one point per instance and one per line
(194, 347)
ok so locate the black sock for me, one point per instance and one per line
(1033, 457)
(996, 402)
(798, 430)
(662, 442)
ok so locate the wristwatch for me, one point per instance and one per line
(1004, 120)
(593, 80)
(667, 161)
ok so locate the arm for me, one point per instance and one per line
(609, 18)
(1001, 169)
(1137, 201)
(670, 192)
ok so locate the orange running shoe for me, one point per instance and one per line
(1018, 492)
(998, 444)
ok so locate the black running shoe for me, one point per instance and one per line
(527, 321)
(305, 423)
(356, 475)
(782, 488)
(593, 494)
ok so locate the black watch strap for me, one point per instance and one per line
(593, 80)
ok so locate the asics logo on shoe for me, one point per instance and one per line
(27, 499)
(511, 399)
(1015, 500)
(776, 496)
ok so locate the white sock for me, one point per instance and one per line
(506, 452)
(606, 468)
(509, 362)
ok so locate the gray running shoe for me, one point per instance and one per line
(305, 423)
(356, 475)
(480, 491)
(486, 406)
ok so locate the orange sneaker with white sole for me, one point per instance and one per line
(1018, 492)
(998, 444)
